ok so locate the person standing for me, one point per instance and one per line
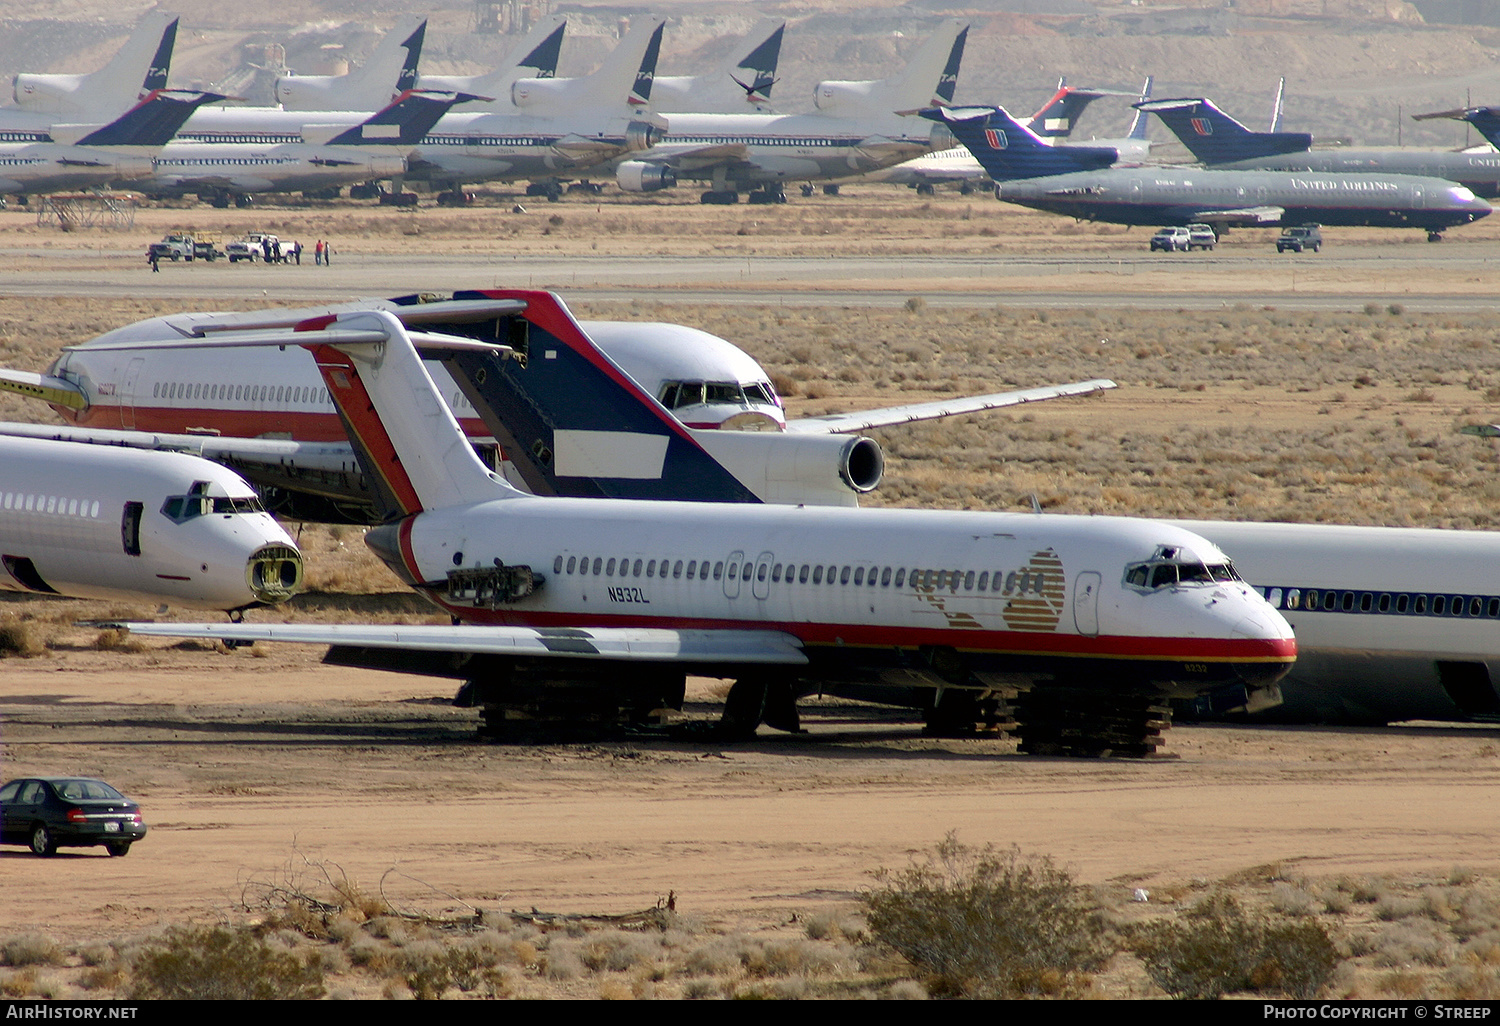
(318, 254)
(154, 257)
(327, 254)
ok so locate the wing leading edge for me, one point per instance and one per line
(864, 420)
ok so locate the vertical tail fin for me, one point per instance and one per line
(404, 123)
(928, 79)
(565, 410)
(1059, 115)
(1276, 105)
(153, 122)
(406, 438)
(1008, 150)
(1214, 137)
(1139, 122)
(140, 67)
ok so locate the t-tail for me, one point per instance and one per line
(569, 419)
(1485, 119)
(151, 123)
(404, 123)
(1214, 137)
(1008, 150)
(139, 68)
(1139, 123)
(1059, 116)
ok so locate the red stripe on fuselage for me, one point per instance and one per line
(888, 636)
(301, 427)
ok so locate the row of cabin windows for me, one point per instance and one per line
(50, 504)
(223, 161)
(1331, 600)
(1013, 583)
(237, 393)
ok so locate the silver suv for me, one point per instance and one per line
(1173, 238)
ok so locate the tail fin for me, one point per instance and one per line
(1008, 150)
(563, 409)
(740, 84)
(407, 440)
(152, 122)
(536, 56)
(1059, 115)
(404, 123)
(626, 74)
(1485, 119)
(928, 79)
(1139, 122)
(390, 71)
(1216, 138)
(1276, 105)
(140, 67)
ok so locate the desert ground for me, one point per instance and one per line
(264, 775)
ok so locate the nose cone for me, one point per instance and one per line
(1266, 645)
(274, 573)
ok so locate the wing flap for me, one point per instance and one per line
(634, 644)
(1250, 216)
(864, 420)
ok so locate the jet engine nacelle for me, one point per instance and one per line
(941, 138)
(643, 176)
(835, 95)
(823, 470)
(538, 92)
(47, 94)
(642, 135)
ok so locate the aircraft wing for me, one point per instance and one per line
(696, 158)
(841, 423)
(43, 387)
(1248, 216)
(656, 645)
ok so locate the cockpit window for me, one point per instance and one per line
(1172, 565)
(182, 508)
(677, 394)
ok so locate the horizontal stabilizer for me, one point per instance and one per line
(48, 389)
(635, 644)
(864, 420)
(283, 338)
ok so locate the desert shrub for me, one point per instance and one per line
(1218, 948)
(31, 949)
(219, 963)
(20, 638)
(988, 923)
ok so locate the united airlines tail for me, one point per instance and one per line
(140, 67)
(1214, 137)
(1008, 150)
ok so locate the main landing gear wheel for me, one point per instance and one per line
(42, 843)
(770, 194)
(720, 197)
(1087, 723)
(926, 189)
(1434, 236)
(808, 190)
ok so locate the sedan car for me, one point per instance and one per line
(47, 813)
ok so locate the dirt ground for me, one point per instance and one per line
(253, 763)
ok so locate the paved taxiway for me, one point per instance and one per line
(1446, 277)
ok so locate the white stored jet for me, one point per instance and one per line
(266, 414)
(101, 522)
(104, 94)
(606, 605)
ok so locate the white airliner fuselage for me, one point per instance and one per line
(103, 522)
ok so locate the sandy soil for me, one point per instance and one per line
(247, 763)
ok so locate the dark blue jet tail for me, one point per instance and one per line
(1058, 116)
(640, 93)
(1485, 119)
(1008, 150)
(406, 121)
(545, 55)
(757, 72)
(413, 45)
(161, 64)
(948, 81)
(153, 121)
(1214, 137)
(561, 396)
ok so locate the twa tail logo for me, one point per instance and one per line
(1202, 126)
(996, 139)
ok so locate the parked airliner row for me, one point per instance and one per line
(96, 521)
(1094, 620)
(1032, 174)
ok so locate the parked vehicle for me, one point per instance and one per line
(250, 248)
(1172, 239)
(1299, 239)
(173, 246)
(1201, 236)
(47, 813)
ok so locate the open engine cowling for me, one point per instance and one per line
(818, 470)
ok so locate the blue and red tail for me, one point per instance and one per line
(1214, 137)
